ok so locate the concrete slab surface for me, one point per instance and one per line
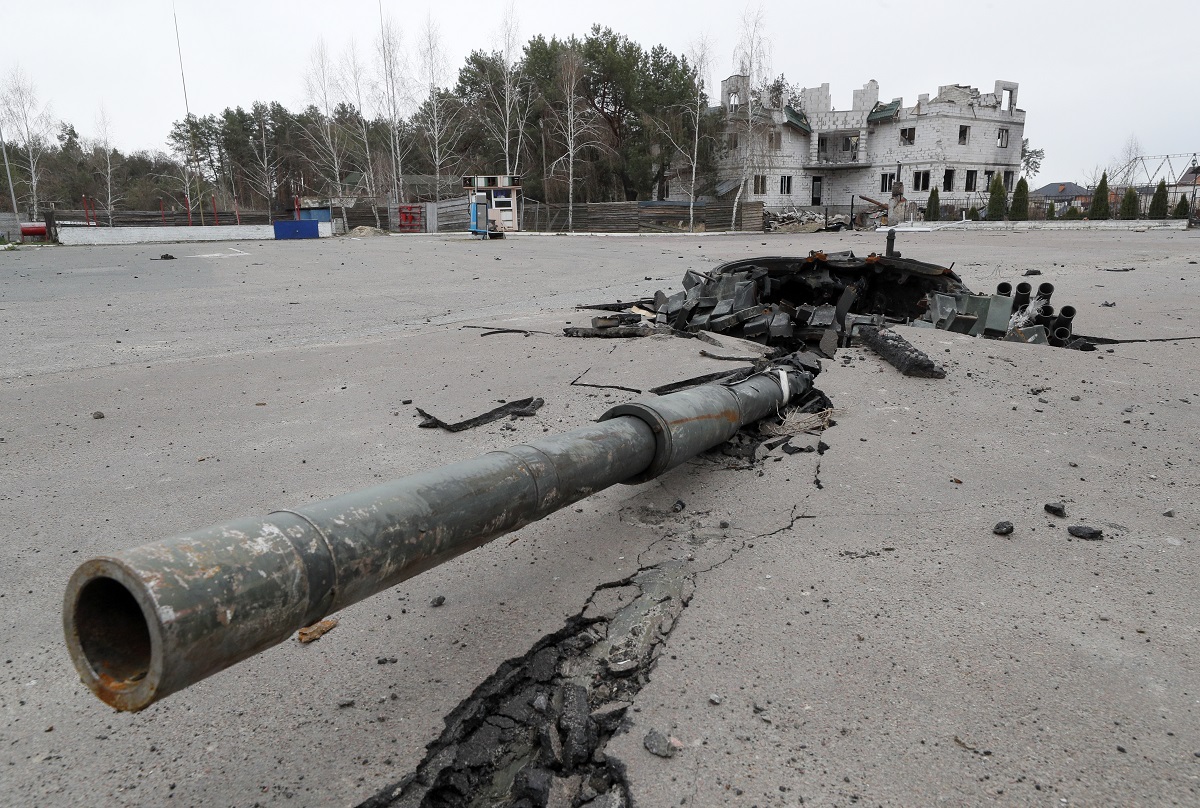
(869, 640)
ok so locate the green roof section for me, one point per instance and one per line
(884, 112)
(797, 119)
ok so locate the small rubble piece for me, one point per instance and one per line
(317, 630)
(1003, 528)
(524, 408)
(1170, 513)
(438, 601)
(900, 353)
(714, 699)
(657, 744)
(1056, 508)
(97, 415)
(1086, 532)
(616, 319)
(164, 257)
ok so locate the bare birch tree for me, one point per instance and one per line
(510, 100)
(390, 89)
(321, 129)
(575, 122)
(31, 121)
(264, 171)
(685, 138)
(103, 151)
(353, 79)
(752, 59)
(439, 116)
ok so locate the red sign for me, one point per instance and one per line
(410, 218)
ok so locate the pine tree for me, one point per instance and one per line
(973, 214)
(1019, 211)
(1158, 205)
(1099, 208)
(1129, 204)
(997, 200)
(1049, 210)
(933, 208)
(1182, 208)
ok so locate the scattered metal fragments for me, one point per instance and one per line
(522, 408)
(317, 630)
(900, 353)
(827, 299)
(1086, 532)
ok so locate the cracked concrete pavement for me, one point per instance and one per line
(869, 641)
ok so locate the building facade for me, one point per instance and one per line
(806, 153)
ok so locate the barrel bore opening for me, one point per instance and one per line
(112, 630)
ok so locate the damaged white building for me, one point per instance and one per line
(806, 153)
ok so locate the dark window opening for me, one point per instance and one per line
(760, 183)
(920, 180)
(775, 140)
(964, 135)
(1008, 180)
(1002, 139)
(816, 190)
(785, 185)
(972, 179)
(822, 145)
(908, 136)
(948, 180)
(886, 181)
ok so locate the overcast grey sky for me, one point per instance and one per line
(1091, 73)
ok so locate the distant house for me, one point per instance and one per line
(806, 153)
(1064, 195)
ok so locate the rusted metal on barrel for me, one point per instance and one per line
(149, 621)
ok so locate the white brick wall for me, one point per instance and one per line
(165, 235)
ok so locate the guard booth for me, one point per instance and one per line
(502, 195)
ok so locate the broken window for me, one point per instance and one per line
(822, 146)
(1007, 100)
(948, 180)
(908, 136)
(972, 178)
(964, 135)
(886, 181)
(816, 190)
(760, 183)
(1002, 139)
(734, 103)
(920, 180)
(775, 140)
(1008, 180)
(733, 140)
(785, 185)
(987, 179)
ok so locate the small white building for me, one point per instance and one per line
(806, 153)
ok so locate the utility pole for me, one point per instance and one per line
(187, 110)
(12, 194)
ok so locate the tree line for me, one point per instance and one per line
(591, 118)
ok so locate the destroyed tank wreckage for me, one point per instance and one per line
(149, 621)
(828, 298)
